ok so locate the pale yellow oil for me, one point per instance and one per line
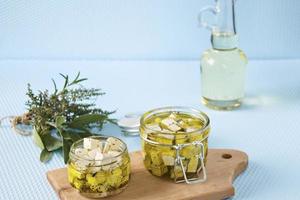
(223, 78)
(154, 154)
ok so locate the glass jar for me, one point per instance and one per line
(96, 178)
(177, 150)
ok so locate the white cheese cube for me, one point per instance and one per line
(170, 137)
(168, 160)
(173, 116)
(193, 165)
(81, 152)
(92, 154)
(113, 153)
(170, 124)
(94, 169)
(95, 154)
(106, 163)
(112, 144)
(115, 156)
(154, 127)
(90, 143)
(99, 156)
(82, 164)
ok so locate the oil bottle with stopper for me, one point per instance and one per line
(223, 67)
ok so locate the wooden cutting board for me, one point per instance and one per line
(223, 165)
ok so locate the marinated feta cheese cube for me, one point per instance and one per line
(155, 157)
(173, 116)
(101, 177)
(154, 127)
(90, 143)
(92, 153)
(115, 155)
(112, 144)
(193, 164)
(170, 124)
(158, 170)
(83, 164)
(176, 172)
(81, 152)
(106, 163)
(74, 173)
(168, 160)
(189, 129)
(170, 137)
(78, 183)
(98, 156)
(181, 139)
(106, 167)
(147, 161)
(95, 169)
(190, 151)
(164, 141)
(183, 125)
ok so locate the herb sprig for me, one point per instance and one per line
(64, 116)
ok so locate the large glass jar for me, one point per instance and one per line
(175, 142)
(101, 177)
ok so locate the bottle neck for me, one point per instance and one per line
(224, 41)
(224, 33)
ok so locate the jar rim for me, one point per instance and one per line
(73, 155)
(180, 109)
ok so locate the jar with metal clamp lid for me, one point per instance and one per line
(175, 143)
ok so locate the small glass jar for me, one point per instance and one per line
(99, 178)
(181, 154)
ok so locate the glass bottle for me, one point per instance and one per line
(223, 67)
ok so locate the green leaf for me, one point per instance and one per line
(51, 143)
(55, 87)
(77, 80)
(78, 74)
(66, 149)
(80, 80)
(66, 77)
(51, 124)
(85, 120)
(59, 121)
(63, 75)
(45, 155)
(76, 134)
(37, 139)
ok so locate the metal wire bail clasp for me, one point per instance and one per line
(178, 162)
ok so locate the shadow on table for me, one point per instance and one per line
(259, 101)
(254, 182)
(291, 96)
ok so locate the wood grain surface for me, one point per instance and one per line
(223, 165)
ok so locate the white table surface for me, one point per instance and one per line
(267, 126)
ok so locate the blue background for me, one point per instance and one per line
(39, 39)
(139, 29)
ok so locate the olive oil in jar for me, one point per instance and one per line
(170, 135)
(99, 166)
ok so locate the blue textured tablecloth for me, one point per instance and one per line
(267, 126)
